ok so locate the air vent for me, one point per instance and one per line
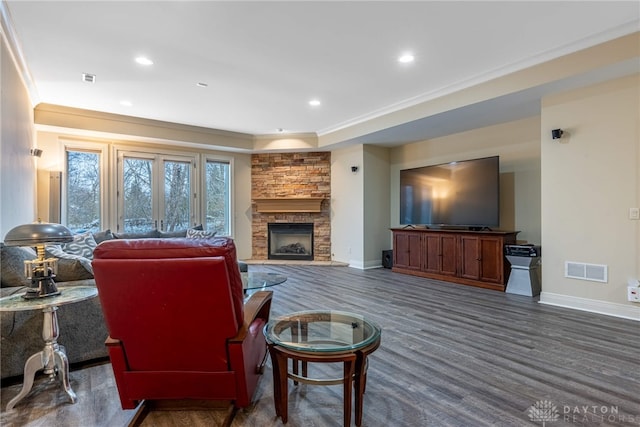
(88, 78)
(584, 271)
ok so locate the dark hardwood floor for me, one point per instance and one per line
(451, 355)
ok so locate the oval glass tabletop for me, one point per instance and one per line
(68, 294)
(255, 280)
(322, 331)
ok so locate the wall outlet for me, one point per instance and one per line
(634, 213)
(633, 293)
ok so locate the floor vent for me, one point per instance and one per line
(584, 271)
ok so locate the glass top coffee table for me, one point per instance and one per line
(321, 337)
(255, 280)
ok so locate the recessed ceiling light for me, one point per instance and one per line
(406, 58)
(200, 84)
(143, 60)
(314, 102)
(126, 103)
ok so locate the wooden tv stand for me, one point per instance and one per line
(474, 258)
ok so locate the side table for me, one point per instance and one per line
(52, 358)
(321, 337)
(256, 280)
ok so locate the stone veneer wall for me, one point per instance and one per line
(292, 175)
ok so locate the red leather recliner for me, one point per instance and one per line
(178, 326)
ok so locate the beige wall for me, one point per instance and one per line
(241, 199)
(17, 166)
(376, 217)
(590, 180)
(518, 145)
(347, 206)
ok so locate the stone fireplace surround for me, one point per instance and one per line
(283, 176)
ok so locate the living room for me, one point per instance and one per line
(542, 178)
(572, 195)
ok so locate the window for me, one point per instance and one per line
(137, 189)
(83, 190)
(217, 197)
(157, 192)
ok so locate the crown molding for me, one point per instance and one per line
(610, 36)
(15, 50)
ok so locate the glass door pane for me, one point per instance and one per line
(138, 195)
(177, 195)
(217, 197)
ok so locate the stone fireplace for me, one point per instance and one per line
(292, 241)
(291, 188)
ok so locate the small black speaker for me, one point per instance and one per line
(387, 258)
(557, 133)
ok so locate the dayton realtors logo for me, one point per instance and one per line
(545, 411)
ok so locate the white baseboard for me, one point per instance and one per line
(372, 264)
(625, 311)
(365, 265)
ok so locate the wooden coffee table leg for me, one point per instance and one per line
(276, 379)
(359, 383)
(280, 383)
(284, 387)
(348, 377)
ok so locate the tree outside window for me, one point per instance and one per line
(138, 188)
(83, 191)
(218, 201)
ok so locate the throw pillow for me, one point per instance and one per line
(83, 245)
(73, 269)
(142, 235)
(200, 234)
(181, 233)
(101, 236)
(57, 251)
(12, 265)
(170, 234)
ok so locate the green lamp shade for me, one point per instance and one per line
(38, 233)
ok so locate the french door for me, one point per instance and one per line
(155, 191)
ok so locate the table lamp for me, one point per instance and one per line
(41, 271)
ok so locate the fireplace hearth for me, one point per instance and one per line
(290, 241)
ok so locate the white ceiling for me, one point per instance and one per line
(263, 61)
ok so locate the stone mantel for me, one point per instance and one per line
(288, 204)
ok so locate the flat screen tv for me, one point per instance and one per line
(456, 194)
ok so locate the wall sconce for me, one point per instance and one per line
(35, 152)
(354, 169)
(557, 133)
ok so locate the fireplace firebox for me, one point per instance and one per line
(290, 241)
